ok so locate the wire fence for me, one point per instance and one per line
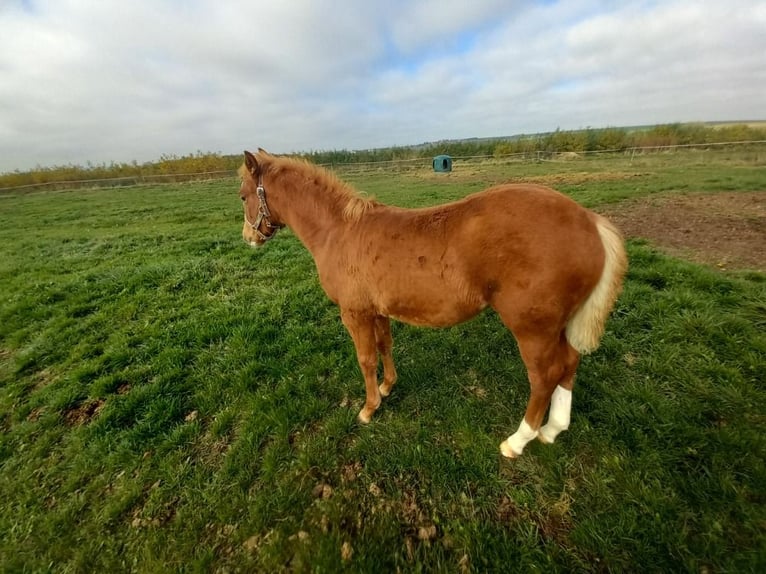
(393, 164)
(547, 155)
(127, 180)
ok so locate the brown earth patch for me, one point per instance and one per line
(35, 414)
(576, 178)
(471, 174)
(726, 230)
(84, 412)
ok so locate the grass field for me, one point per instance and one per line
(172, 400)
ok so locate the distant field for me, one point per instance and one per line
(174, 400)
(755, 124)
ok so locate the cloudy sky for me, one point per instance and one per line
(107, 80)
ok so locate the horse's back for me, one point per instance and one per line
(441, 265)
(525, 208)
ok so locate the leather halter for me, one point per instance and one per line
(263, 215)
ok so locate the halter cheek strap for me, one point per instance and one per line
(264, 215)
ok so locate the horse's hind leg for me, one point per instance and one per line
(361, 327)
(385, 343)
(550, 362)
(561, 403)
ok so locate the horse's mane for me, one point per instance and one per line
(353, 204)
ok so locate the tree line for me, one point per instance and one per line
(212, 164)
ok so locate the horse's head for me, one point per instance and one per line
(261, 224)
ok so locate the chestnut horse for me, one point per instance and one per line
(550, 268)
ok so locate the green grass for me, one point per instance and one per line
(173, 400)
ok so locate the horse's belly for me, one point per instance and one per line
(431, 312)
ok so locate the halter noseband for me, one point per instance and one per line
(263, 215)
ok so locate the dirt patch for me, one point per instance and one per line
(35, 414)
(44, 378)
(552, 521)
(471, 174)
(84, 412)
(576, 178)
(726, 230)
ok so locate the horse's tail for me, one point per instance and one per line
(586, 327)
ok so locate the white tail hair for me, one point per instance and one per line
(586, 327)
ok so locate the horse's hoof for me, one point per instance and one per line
(364, 417)
(384, 390)
(548, 434)
(507, 451)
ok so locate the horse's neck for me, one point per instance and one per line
(313, 213)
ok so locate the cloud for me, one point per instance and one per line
(431, 25)
(83, 81)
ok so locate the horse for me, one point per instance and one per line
(550, 268)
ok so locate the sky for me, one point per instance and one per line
(84, 81)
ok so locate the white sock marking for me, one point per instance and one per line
(560, 414)
(518, 440)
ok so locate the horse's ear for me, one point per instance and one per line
(263, 151)
(252, 164)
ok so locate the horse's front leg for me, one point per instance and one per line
(361, 327)
(385, 343)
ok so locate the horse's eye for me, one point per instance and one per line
(242, 197)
